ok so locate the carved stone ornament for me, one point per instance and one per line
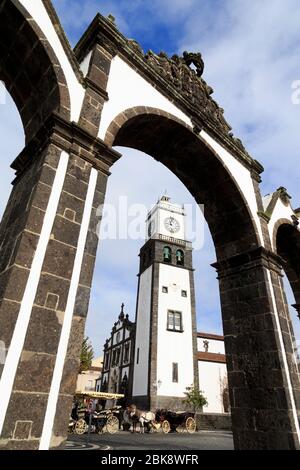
(189, 82)
(284, 196)
(135, 45)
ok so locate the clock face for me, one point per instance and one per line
(172, 225)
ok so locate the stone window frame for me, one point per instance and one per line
(174, 314)
(175, 378)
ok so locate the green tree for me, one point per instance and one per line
(195, 398)
(86, 355)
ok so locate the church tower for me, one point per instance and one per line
(165, 360)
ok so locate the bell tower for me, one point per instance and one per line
(166, 340)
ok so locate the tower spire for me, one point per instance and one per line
(122, 316)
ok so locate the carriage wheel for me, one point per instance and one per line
(80, 426)
(166, 427)
(112, 424)
(190, 425)
(155, 426)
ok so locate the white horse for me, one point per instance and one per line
(141, 417)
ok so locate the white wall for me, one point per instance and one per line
(140, 377)
(210, 380)
(215, 346)
(173, 346)
(127, 89)
(127, 333)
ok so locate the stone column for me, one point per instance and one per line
(263, 405)
(48, 240)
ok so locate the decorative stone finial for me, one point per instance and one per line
(122, 316)
(284, 196)
(111, 18)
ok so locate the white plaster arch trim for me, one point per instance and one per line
(38, 12)
(241, 176)
(280, 211)
(127, 89)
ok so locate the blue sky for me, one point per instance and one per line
(251, 51)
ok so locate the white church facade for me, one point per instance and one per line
(166, 355)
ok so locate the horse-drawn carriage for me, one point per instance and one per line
(88, 417)
(176, 421)
(165, 420)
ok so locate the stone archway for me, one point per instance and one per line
(242, 263)
(48, 235)
(287, 243)
(30, 69)
(286, 240)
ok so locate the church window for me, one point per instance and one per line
(164, 289)
(124, 384)
(118, 356)
(118, 337)
(174, 321)
(138, 355)
(183, 293)
(104, 387)
(179, 258)
(113, 362)
(126, 353)
(106, 361)
(167, 254)
(175, 372)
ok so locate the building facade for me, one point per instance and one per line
(118, 357)
(87, 379)
(165, 362)
(213, 372)
(154, 360)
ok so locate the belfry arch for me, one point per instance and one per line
(107, 92)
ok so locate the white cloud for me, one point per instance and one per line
(252, 65)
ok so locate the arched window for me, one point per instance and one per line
(180, 257)
(167, 253)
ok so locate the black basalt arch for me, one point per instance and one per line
(30, 69)
(287, 244)
(173, 143)
(48, 235)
